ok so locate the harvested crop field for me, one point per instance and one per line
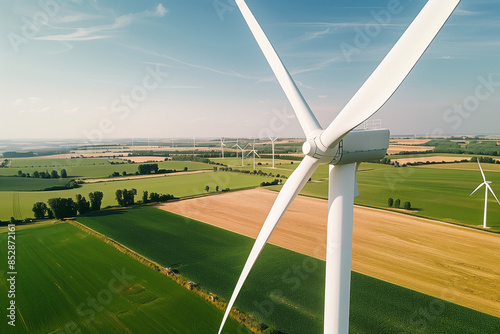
(431, 257)
(409, 141)
(430, 159)
(397, 149)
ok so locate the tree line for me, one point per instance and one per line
(61, 208)
(44, 174)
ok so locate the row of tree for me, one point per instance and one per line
(44, 175)
(155, 197)
(66, 207)
(487, 160)
(397, 204)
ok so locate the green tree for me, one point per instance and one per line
(19, 172)
(54, 174)
(407, 206)
(36, 174)
(119, 197)
(50, 214)
(207, 188)
(217, 188)
(39, 209)
(126, 197)
(95, 200)
(390, 202)
(64, 174)
(63, 207)
(148, 169)
(83, 206)
(145, 196)
(397, 203)
(154, 197)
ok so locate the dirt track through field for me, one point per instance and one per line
(457, 264)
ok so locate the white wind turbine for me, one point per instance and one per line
(237, 146)
(222, 146)
(272, 142)
(487, 187)
(342, 149)
(254, 153)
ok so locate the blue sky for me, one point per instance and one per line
(119, 69)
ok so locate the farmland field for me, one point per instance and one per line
(413, 252)
(62, 269)
(13, 183)
(19, 204)
(90, 168)
(433, 192)
(285, 167)
(285, 288)
(495, 168)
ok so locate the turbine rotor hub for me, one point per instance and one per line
(313, 147)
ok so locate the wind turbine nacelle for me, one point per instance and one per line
(362, 146)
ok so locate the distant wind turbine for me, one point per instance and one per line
(272, 142)
(254, 153)
(222, 146)
(239, 147)
(487, 187)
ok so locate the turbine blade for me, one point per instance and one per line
(392, 71)
(290, 190)
(306, 118)
(257, 154)
(491, 190)
(481, 169)
(482, 184)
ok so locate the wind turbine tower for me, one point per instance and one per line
(272, 142)
(239, 147)
(254, 153)
(222, 146)
(487, 187)
(342, 149)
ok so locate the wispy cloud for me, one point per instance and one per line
(96, 32)
(202, 67)
(315, 35)
(181, 87)
(463, 12)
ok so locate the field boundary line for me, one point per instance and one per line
(139, 177)
(249, 321)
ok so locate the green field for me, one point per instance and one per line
(19, 204)
(494, 168)
(284, 288)
(284, 167)
(61, 270)
(14, 183)
(91, 168)
(433, 192)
